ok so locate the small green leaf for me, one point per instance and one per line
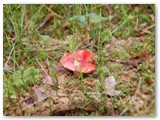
(136, 9)
(92, 34)
(146, 18)
(74, 17)
(44, 37)
(82, 23)
(95, 19)
(82, 18)
(124, 9)
(90, 14)
(106, 38)
(130, 17)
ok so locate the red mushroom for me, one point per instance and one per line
(79, 61)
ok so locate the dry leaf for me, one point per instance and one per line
(45, 113)
(47, 80)
(61, 80)
(110, 84)
(89, 83)
(64, 100)
(38, 93)
(47, 20)
(60, 70)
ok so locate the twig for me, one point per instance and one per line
(82, 43)
(85, 46)
(139, 84)
(40, 100)
(137, 21)
(86, 109)
(41, 67)
(53, 12)
(118, 27)
(123, 111)
(46, 73)
(97, 6)
(147, 28)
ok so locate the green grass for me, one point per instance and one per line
(27, 54)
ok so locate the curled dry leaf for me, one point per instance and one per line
(110, 84)
(89, 83)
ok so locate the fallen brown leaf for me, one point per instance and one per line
(29, 101)
(110, 84)
(129, 64)
(89, 83)
(47, 20)
(60, 70)
(145, 55)
(61, 80)
(47, 80)
(38, 93)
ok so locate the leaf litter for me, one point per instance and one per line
(62, 102)
(70, 97)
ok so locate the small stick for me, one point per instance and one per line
(139, 84)
(41, 67)
(53, 12)
(40, 100)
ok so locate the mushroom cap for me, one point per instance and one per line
(80, 61)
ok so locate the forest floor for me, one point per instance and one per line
(36, 37)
